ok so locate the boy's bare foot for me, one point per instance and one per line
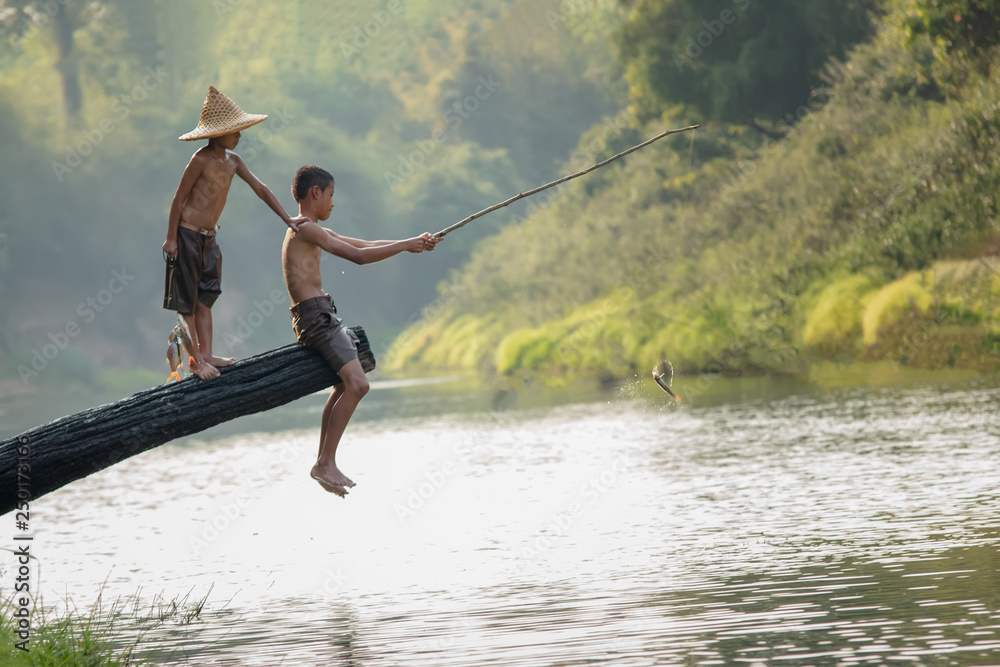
(205, 371)
(331, 479)
(219, 362)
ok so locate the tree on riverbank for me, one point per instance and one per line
(388, 95)
(869, 232)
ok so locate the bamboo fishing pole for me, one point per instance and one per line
(589, 169)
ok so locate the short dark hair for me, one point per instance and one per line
(308, 176)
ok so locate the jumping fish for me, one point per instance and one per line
(666, 369)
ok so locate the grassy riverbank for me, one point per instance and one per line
(868, 233)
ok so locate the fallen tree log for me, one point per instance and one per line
(51, 456)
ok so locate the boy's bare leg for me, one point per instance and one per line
(205, 336)
(201, 368)
(338, 391)
(337, 412)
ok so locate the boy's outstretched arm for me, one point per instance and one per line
(357, 243)
(266, 195)
(313, 233)
(191, 173)
(430, 241)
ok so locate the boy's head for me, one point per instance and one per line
(307, 177)
(312, 186)
(227, 141)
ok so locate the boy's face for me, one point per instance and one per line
(229, 141)
(325, 202)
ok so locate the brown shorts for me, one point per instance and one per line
(196, 273)
(317, 326)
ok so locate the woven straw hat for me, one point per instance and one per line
(221, 116)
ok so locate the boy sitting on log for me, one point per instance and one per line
(194, 260)
(314, 317)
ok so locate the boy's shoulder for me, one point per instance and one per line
(307, 232)
(205, 155)
(312, 224)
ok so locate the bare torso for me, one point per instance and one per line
(204, 205)
(300, 264)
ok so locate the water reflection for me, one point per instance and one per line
(788, 527)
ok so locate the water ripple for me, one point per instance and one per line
(827, 527)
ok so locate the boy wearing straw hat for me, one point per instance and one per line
(314, 317)
(194, 260)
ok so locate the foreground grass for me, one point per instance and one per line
(101, 636)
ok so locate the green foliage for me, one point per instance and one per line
(717, 249)
(734, 61)
(966, 27)
(445, 345)
(526, 348)
(889, 308)
(586, 340)
(741, 253)
(69, 641)
(105, 635)
(354, 102)
(834, 323)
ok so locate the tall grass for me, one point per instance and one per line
(102, 635)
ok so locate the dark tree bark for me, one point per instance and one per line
(64, 24)
(75, 446)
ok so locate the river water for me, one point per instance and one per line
(762, 523)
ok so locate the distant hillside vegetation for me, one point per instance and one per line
(861, 225)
